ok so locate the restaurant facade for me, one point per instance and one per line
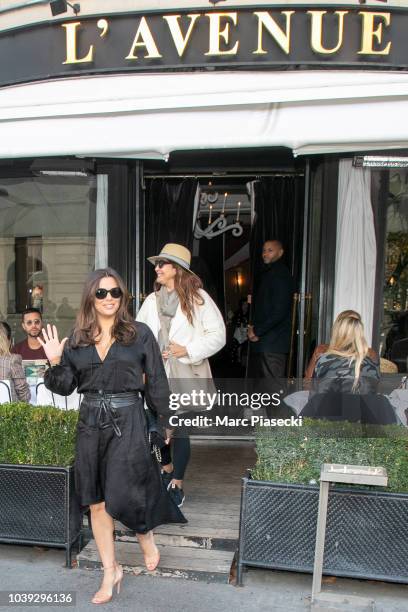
(127, 125)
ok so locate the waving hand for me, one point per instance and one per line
(52, 346)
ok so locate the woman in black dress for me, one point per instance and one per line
(106, 358)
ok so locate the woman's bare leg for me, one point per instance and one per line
(102, 528)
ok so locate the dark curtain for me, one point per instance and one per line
(209, 267)
(279, 216)
(169, 217)
(279, 205)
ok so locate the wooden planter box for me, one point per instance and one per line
(366, 536)
(38, 506)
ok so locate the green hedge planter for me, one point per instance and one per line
(37, 494)
(367, 528)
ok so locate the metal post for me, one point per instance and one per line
(304, 280)
(350, 474)
(240, 565)
(320, 537)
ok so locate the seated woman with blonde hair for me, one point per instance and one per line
(346, 376)
(11, 368)
(323, 348)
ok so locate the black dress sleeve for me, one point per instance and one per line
(157, 390)
(62, 379)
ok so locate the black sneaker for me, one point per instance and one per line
(176, 494)
(166, 477)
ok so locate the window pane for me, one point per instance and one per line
(53, 230)
(395, 320)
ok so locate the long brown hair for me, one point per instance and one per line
(86, 327)
(348, 340)
(187, 286)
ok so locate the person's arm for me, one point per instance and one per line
(157, 392)
(19, 380)
(213, 333)
(279, 297)
(61, 377)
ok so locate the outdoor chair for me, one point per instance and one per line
(5, 392)
(45, 397)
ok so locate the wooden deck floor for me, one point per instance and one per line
(213, 478)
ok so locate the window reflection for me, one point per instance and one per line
(53, 231)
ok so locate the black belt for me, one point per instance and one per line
(106, 404)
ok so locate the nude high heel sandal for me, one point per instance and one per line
(104, 596)
(152, 563)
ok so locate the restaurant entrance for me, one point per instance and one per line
(223, 206)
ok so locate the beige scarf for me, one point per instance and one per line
(183, 377)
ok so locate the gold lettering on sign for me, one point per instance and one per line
(316, 36)
(282, 37)
(369, 34)
(71, 45)
(103, 24)
(216, 33)
(144, 38)
(179, 40)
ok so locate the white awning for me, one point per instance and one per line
(151, 115)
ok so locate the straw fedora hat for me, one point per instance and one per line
(175, 253)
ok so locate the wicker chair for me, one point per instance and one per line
(388, 367)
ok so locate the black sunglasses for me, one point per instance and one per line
(116, 293)
(160, 263)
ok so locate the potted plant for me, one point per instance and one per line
(37, 496)
(367, 528)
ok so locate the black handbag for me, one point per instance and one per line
(158, 446)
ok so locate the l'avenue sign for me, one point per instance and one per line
(252, 39)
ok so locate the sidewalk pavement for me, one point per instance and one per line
(25, 568)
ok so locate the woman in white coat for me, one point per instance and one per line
(189, 328)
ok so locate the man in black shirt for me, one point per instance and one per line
(269, 333)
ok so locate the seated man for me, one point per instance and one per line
(30, 348)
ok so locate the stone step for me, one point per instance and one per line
(176, 561)
(210, 538)
(212, 526)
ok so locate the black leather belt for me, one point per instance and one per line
(106, 405)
